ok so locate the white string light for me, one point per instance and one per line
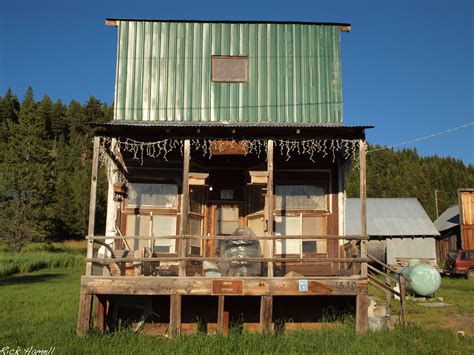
(257, 146)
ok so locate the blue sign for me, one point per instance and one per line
(303, 285)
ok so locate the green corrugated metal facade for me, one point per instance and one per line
(164, 72)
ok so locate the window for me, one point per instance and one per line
(196, 218)
(227, 219)
(196, 199)
(152, 195)
(163, 225)
(467, 256)
(229, 69)
(299, 197)
(152, 211)
(300, 225)
(301, 210)
(195, 228)
(256, 198)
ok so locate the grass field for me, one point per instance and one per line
(39, 309)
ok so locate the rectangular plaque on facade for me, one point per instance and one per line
(226, 287)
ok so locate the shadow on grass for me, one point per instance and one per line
(28, 279)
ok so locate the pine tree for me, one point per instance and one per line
(25, 179)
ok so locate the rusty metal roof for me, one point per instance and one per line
(267, 124)
(111, 21)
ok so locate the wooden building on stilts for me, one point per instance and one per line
(225, 164)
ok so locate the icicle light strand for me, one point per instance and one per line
(313, 148)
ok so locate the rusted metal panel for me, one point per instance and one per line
(466, 203)
(164, 72)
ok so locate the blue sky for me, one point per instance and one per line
(408, 66)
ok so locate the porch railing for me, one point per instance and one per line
(346, 261)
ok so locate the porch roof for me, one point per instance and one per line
(229, 129)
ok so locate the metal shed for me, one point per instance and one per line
(399, 228)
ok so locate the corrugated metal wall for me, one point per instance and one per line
(164, 72)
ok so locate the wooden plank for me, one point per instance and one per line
(223, 259)
(291, 326)
(110, 22)
(139, 285)
(251, 327)
(269, 206)
(100, 303)
(223, 237)
(222, 322)
(92, 203)
(266, 314)
(363, 203)
(156, 329)
(84, 316)
(184, 205)
(362, 316)
(402, 300)
(189, 328)
(175, 316)
(382, 286)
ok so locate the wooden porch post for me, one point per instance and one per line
(362, 319)
(175, 315)
(362, 300)
(92, 204)
(222, 317)
(270, 204)
(266, 314)
(266, 302)
(363, 205)
(184, 206)
(100, 308)
(85, 301)
(85, 312)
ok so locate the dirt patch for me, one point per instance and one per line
(460, 322)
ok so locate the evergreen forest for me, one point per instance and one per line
(45, 162)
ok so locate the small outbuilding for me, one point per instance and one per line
(399, 229)
(456, 225)
(448, 226)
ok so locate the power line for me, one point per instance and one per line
(424, 137)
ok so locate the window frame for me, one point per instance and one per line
(323, 179)
(133, 210)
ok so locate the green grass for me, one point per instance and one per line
(37, 256)
(39, 309)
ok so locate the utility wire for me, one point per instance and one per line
(423, 138)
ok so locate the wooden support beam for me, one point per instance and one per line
(92, 203)
(222, 317)
(203, 286)
(362, 314)
(402, 300)
(266, 314)
(100, 306)
(175, 316)
(184, 205)
(363, 204)
(84, 316)
(116, 157)
(113, 23)
(270, 206)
